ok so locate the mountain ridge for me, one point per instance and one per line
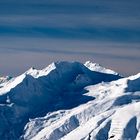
(62, 86)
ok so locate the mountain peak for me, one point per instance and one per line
(97, 67)
(4, 79)
(38, 73)
(64, 96)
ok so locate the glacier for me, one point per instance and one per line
(70, 101)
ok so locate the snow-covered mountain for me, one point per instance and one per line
(97, 67)
(70, 101)
(4, 79)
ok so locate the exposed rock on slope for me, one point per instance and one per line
(114, 115)
(84, 104)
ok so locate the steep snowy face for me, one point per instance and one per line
(97, 67)
(4, 79)
(36, 92)
(133, 83)
(56, 79)
(38, 73)
(114, 114)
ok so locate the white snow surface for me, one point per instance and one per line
(38, 73)
(97, 67)
(70, 101)
(2, 79)
(5, 79)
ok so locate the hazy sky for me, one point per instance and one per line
(38, 32)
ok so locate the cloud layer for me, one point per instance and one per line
(45, 31)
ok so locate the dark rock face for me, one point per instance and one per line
(34, 97)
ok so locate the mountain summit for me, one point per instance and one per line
(70, 101)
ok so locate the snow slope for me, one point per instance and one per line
(70, 101)
(114, 114)
(4, 79)
(97, 67)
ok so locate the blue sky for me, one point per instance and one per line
(38, 32)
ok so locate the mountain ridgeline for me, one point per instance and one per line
(60, 86)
